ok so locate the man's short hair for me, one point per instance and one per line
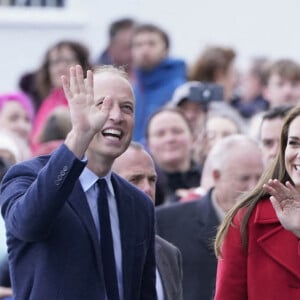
(153, 28)
(119, 25)
(277, 112)
(111, 69)
(220, 152)
(285, 68)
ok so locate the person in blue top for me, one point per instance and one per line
(156, 74)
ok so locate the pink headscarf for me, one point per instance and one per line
(20, 98)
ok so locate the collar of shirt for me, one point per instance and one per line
(88, 179)
(159, 286)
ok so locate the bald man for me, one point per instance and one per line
(136, 166)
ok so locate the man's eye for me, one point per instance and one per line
(152, 179)
(127, 108)
(133, 180)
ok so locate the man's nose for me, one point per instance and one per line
(115, 113)
(147, 189)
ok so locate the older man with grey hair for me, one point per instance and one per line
(236, 165)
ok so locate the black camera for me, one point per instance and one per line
(204, 93)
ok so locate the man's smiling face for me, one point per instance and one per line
(116, 133)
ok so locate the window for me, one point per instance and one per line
(33, 3)
(39, 14)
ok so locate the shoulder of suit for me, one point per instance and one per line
(178, 207)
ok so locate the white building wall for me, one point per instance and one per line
(256, 27)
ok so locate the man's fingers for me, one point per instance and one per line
(80, 79)
(89, 85)
(66, 87)
(73, 81)
(107, 104)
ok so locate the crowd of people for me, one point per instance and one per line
(211, 153)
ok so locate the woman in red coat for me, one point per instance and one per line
(258, 244)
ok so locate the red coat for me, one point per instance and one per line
(270, 270)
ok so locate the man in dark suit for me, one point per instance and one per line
(55, 235)
(236, 165)
(136, 166)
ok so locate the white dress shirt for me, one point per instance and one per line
(159, 286)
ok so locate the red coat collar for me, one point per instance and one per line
(279, 244)
(265, 213)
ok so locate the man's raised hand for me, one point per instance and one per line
(87, 116)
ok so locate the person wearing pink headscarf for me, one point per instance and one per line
(16, 114)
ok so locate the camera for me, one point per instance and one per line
(205, 93)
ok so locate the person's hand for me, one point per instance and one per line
(286, 202)
(87, 115)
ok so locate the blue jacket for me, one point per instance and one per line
(153, 89)
(53, 246)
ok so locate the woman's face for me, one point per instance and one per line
(14, 117)
(292, 152)
(170, 141)
(193, 112)
(60, 61)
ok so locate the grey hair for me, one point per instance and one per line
(219, 153)
(111, 69)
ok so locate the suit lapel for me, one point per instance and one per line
(127, 232)
(78, 203)
(206, 220)
(287, 256)
(164, 269)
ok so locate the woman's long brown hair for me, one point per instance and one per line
(249, 200)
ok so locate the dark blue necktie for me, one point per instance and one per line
(106, 243)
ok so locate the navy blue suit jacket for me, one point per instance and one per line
(192, 227)
(53, 248)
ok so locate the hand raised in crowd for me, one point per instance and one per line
(286, 203)
(88, 115)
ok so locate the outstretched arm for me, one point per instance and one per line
(286, 202)
(34, 193)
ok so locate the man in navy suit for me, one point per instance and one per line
(137, 166)
(49, 203)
